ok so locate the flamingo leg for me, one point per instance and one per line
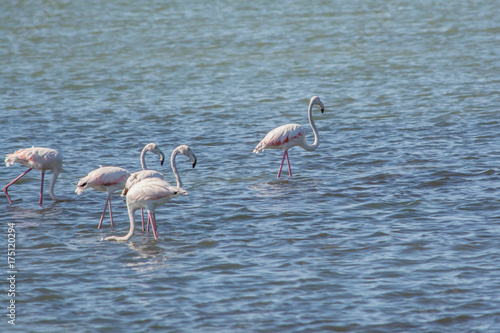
(104, 211)
(41, 188)
(12, 182)
(153, 223)
(150, 221)
(110, 213)
(142, 215)
(281, 166)
(288, 161)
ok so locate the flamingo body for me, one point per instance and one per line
(108, 179)
(38, 158)
(287, 136)
(283, 137)
(137, 176)
(149, 194)
(153, 192)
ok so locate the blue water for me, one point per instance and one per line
(391, 225)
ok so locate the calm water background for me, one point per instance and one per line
(391, 225)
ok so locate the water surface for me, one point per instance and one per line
(391, 225)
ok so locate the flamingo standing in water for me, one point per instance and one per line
(291, 135)
(148, 193)
(108, 179)
(37, 158)
(138, 176)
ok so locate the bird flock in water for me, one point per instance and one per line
(146, 188)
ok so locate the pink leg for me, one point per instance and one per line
(142, 215)
(12, 182)
(104, 211)
(150, 221)
(288, 161)
(41, 188)
(281, 166)
(110, 213)
(153, 223)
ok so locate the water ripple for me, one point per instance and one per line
(390, 225)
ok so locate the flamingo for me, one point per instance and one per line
(149, 194)
(291, 135)
(37, 158)
(109, 179)
(138, 176)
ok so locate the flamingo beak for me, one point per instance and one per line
(162, 158)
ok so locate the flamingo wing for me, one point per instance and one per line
(283, 137)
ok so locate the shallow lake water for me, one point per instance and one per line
(391, 225)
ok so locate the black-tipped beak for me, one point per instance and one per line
(194, 164)
(322, 110)
(162, 159)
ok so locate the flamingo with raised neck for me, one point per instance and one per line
(291, 135)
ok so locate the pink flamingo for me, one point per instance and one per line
(149, 194)
(108, 179)
(291, 135)
(138, 176)
(38, 158)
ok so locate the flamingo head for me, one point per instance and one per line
(186, 150)
(318, 102)
(152, 147)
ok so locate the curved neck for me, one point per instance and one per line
(52, 183)
(132, 224)
(315, 131)
(174, 168)
(131, 230)
(143, 159)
